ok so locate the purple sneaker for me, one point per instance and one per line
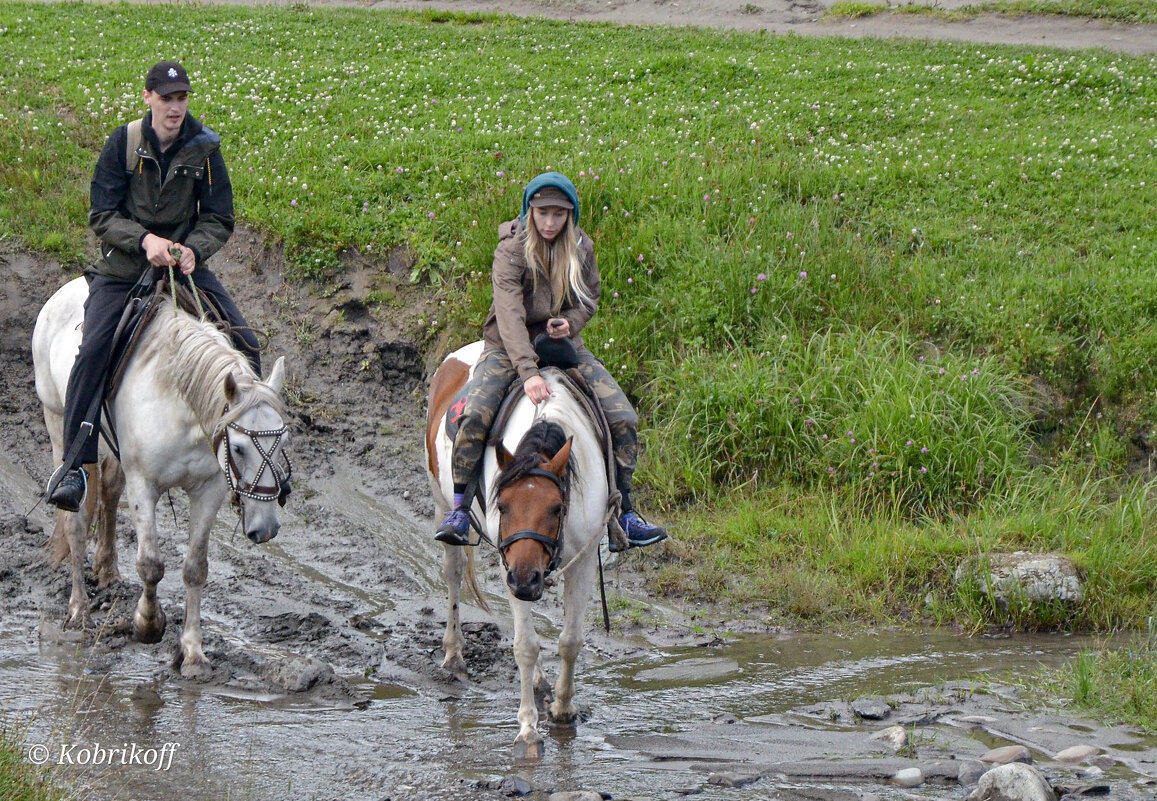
(455, 528)
(639, 531)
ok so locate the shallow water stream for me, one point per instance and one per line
(656, 727)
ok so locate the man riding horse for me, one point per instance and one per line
(161, 198)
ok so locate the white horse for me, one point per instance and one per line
(547, 505)
(189, 413)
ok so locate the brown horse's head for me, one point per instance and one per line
(531, 495)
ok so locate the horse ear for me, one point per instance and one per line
(230, 388)
(557, 465)
(504, 456)
(277, 375)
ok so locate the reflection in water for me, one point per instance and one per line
(401, 744)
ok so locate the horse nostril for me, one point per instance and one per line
(259, 536)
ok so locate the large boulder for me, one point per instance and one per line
(1013, 782)
(1024, 576)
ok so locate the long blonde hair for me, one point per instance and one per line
(559, 261)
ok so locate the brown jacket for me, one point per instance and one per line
(518, 313)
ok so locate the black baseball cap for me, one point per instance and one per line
(167, 77)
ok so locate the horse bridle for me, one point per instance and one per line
(238, 486)
(552, 545)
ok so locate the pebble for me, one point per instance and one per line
(969, 772)
(908, 777)
(895, 736)
(514, 787)
(871, 708)
(1078, 753)
(732, 779)
(575, 795)
(1007, 754)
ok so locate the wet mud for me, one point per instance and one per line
(326, 642)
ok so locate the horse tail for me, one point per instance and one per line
(471, 579)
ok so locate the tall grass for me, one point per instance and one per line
(20, 780)
(1117, 684)
(901, 289)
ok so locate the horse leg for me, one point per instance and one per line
(528, 743)
(73, 527)
(452, 644)
(69, 542)
(149, 619)
(112, 484)
(203, 505)
(576, 592)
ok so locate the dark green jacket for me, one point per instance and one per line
(183, 195)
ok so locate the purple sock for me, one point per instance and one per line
(458, 496)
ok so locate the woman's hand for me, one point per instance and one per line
(536, 389)
(558, 327)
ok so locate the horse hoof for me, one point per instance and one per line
(77, 620)
(525, 750)
(152, 632)
(456, 667)
(196, 671)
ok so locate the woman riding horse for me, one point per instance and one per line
(545, 281)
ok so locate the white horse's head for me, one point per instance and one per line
(251, 449)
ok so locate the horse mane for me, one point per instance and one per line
(540, 444)
(195, 357)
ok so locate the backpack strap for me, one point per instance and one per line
(132, 142)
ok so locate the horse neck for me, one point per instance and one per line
(194, 358)
(586, 450)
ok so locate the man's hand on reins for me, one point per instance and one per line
(158, 249)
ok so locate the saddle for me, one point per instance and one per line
(561, 356)
(139, 311)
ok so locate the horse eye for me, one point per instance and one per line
(503, 507)
(238, 450)
(556, 510)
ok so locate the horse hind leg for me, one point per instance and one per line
(452, 643)
(570, 643)
(112, 484)
(69, 542)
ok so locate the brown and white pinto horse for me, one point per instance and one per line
(546, 506)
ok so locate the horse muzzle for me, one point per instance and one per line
(264, 534)
(526, 584)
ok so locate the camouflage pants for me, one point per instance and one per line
(493, 376)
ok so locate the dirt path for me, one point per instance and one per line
(800, 17)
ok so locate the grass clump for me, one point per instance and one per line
(20, 780)
(1117, 684)
(1131, 11)
(854, 9)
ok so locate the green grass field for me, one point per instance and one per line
(883, 306)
